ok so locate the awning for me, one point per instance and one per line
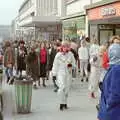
(40, 21)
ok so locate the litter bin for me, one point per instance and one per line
(23, 91)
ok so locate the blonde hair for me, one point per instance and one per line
(113, 38)
(102, 49)
(66, 43)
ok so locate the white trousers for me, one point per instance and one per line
(64, 84)
(83, 67)
(94, 79)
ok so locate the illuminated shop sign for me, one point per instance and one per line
(108, 11)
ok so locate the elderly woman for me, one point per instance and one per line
(62, 69)
(32, 65)
(110, 97)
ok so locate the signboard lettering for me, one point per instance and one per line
(108, 11)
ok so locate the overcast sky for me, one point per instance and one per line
(8, 10)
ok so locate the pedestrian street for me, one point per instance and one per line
(45, 104)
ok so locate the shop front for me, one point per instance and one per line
(104, 21)
(74, 27)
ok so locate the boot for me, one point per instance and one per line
(87, 79)
(44, 83)
(65, 106)
(98, 107)
(8, 78)
(61, 107)
(11, 81)
(82, 80)
(39, 83)
(56, 89)
(34, 85)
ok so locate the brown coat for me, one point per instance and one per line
(32, 65)
(9, 57)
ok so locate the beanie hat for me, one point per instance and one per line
(114, 54)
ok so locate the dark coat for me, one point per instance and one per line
(51, 58)
(21, 65)
(75, 54)
(110, 97)
(32, 65)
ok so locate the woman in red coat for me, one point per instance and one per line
(43, 62)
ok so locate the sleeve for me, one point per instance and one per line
(55, 65)
(5, 58)
(113, 99)
(105, 61)
(79, 53)
(73, 61)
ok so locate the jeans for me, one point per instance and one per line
(9, 72)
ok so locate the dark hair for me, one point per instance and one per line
(7, 44)
(59, 39)
(87, 39)
(21, 42)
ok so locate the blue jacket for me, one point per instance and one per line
(110, 97)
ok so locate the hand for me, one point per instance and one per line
(9, 65)
(94, 58)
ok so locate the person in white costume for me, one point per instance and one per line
(63, 64)
(95, 68)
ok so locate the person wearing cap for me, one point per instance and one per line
(63, 64)
(110, 96)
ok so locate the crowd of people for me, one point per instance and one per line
(98, 65)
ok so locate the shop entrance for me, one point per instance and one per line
(105, 35)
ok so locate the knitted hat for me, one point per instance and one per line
(114, 54)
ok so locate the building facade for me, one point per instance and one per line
(104, 20)
(17, 32)
(75, 23)
(4, 32)
(42, 18)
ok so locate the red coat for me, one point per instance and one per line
(105, 60)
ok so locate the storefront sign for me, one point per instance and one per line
(108, 11)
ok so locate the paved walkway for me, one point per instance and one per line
(45, 105)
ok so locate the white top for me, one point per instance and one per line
(94, 49)
(83, 53)
(61, 61)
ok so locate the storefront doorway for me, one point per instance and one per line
(105, 35)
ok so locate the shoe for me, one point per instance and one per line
(8, 78)
(56, 90)
(39, 83)
(92, 95)
(82, 80)
(11, 81)
(86, 79)
(44, 85)
(61, 107)
(97, 107)
(35, 86)
(65, 106)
